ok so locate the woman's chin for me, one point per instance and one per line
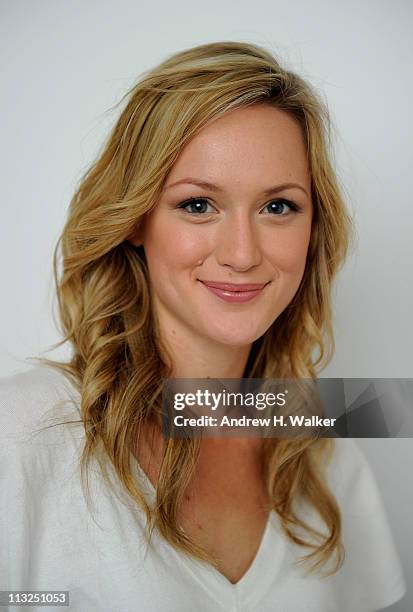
(235, 339)
(236, 331)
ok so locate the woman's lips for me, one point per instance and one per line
(229, 292)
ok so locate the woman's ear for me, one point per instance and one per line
(136, 238)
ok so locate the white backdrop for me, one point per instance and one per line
(65, 64)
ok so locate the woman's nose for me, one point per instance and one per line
(238, 243)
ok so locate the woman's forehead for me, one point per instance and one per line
(258, 145)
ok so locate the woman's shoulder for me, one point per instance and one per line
(352, 479)
(32, 399)
(372, 570)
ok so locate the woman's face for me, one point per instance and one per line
(240, 215)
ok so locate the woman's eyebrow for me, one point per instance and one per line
(217, 188)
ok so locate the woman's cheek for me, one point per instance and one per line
(191, 244)
(288, 252)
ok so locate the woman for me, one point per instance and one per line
(202, 243)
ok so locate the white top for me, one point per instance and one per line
(51, 541)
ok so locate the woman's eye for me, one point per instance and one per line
(281, 207)
(199, 206)
(196, 205)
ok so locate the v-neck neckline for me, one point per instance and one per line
(255, 581)
(262, 572)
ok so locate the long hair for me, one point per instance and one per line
(118, 362)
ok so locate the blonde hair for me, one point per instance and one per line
(118, 362)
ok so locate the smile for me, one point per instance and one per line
(237, 293)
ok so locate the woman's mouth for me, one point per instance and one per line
(231, 292)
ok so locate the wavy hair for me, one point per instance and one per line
(104, 300)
